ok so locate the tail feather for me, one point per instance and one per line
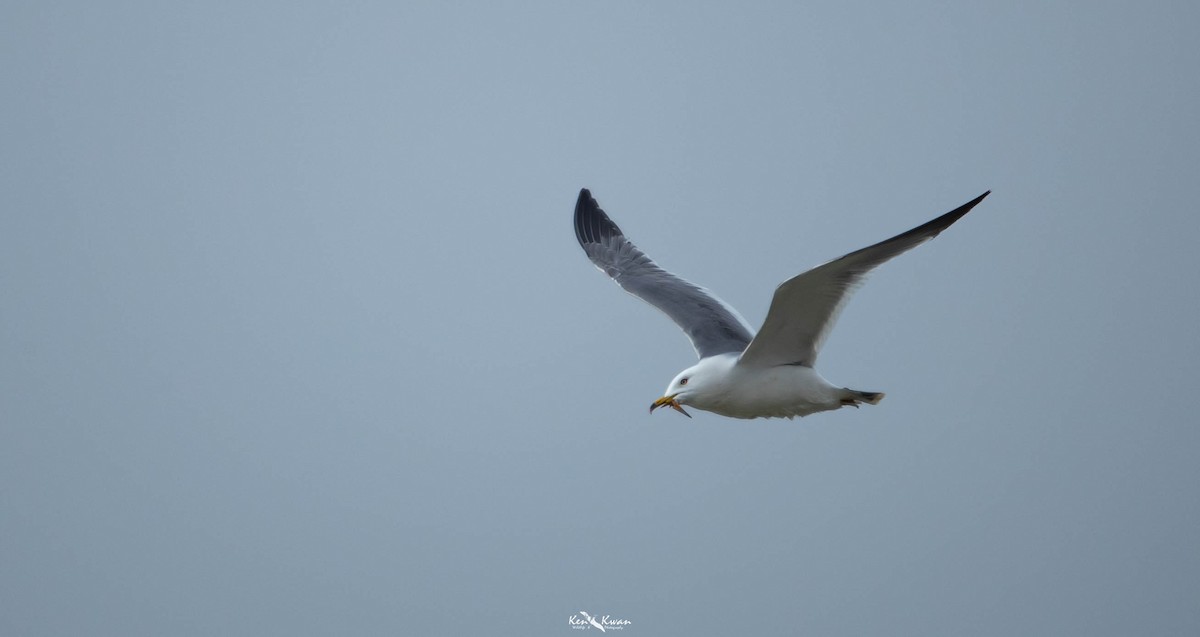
(854, 397)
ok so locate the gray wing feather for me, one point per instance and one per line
(713, 326)
(806, 306)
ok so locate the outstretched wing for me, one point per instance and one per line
(806, 306)
(713, 326)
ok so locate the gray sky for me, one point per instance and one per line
(296, 338)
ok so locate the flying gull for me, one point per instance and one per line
(742, 374)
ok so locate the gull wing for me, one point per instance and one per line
(806, 306)
(713, 326)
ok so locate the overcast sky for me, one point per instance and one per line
(296, 339)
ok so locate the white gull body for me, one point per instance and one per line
(742, 374)
(718, 384)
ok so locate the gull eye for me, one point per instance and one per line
(682, 381)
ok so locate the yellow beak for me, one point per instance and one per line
(668, 401)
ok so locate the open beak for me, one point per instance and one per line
(668, 401)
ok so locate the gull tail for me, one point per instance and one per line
(853, 398)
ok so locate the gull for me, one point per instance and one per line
(742, 374)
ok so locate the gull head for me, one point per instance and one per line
(704, 378)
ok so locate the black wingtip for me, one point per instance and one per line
(944, 221)
(965, 208)
(591, 224)
(935, 227)
(962, 210)
(586, 202)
